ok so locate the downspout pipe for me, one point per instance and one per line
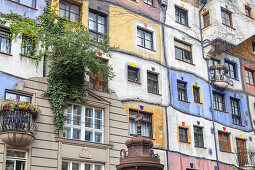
(208, 74)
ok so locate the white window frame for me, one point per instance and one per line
(82, 127)
(16, 158)
(82, 165)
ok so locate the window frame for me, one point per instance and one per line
(234, 107)
(82, 126)
(250, 76)
(198, 133)
(186, 134)
(214, 72)
(153, 82)
(143, 38)
(18, 95)
(253, 47)
(33, 3)
(226, 12)
(218, 102)
(194, 94)
(206, 19)
(96, 32)
(69, 4)
(143, 121)
(183, 51)
(183, 89)
(222, 136)
(134, 69)
(4, 33)
(228, 64)
(149, 2)
(15, 159)
(248, 9)
(28, 48)
(178, 11)
(81, 164)
(239, 147)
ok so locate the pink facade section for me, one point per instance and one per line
(182, 162)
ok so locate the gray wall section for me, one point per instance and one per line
(48, 149)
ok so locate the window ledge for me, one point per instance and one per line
(227, 152)
(185, 142)
(154, 93)
(150, 5)
(185, 61)
(183, 24)
(183, 101)
(5, 53)
(108, 91)
(84, 143)
(199, 147)
(233, 78)
(198, 103)
(229, 26)
(137, 82)
(249, 17)
(23, 5)
(220, 110)
(206, 27)
(238, 124)
(145, 48)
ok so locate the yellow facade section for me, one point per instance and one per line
(158, 121)
(85, 9)
(122, 32)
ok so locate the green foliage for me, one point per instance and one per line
(72, 53)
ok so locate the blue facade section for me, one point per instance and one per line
(202, 110)
(7, 82)
(6, 6)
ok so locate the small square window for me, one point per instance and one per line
(182, 91)
(133, 74)
(181, 16)
(206, 19)
(231, 69)
(183, 134)
(99, 84)
(28, 46)
(149, 2)
(198, 136)
(183, 51)
(226, 17)
(247, 11)
(152, 80)
(196, 94)
(145, 38)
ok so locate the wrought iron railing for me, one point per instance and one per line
(246, 158)
(17, 121)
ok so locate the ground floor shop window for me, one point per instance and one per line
(81, 166)
(16, 160)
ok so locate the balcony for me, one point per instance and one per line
(218, 76)
(246, 159)
(17, 124)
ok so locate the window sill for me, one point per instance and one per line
(185, 61)
(183, 24)
(220, 110)
(150, 5)
(229, 26)
(184, 142)
(200, 147)
(82, 143)
(146, 48)
(227, 151)
(250, 85)
(183, 101)
(206, 26)
(233, 78)
(23, 5)
(249, 17)
(100, 91)
(154, 93)
(238, 124)
(5, 54)
(198, 103)
(137, 82)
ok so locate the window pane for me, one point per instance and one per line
(10, 96)
(89, 117)
(75, 166)
(98, 137)
(64, 165)
(89, 136)
(9, 165)
(27, 2)
(76, 133)
(98, 167)
(76, 115)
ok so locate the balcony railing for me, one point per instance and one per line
(218, 76)
(246, 158)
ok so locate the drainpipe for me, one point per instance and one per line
(209, 80)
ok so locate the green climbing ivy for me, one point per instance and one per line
(72, 53)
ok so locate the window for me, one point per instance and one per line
(226, 17)
(247, 11)
(241, 152)
(5, 44)
(231, 69)
(183, 51)
(16, 160)
(81, 166)
(133, 74)
(182, 91)
(146, 124)
(12, 96)
(150, 2)
(206, 18)
(99, 84)
(183, 134)
(253, 47)
(28, 46)
(249, 77)
(218, 101)
(214, 72)
(83, 123)
(152, 80)
(196, 94)
(235, 108)
(181, 15)
(69, 11)
(224, 141)
(97, 26)
(198, 136)
(30, 3)
(145, 38)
